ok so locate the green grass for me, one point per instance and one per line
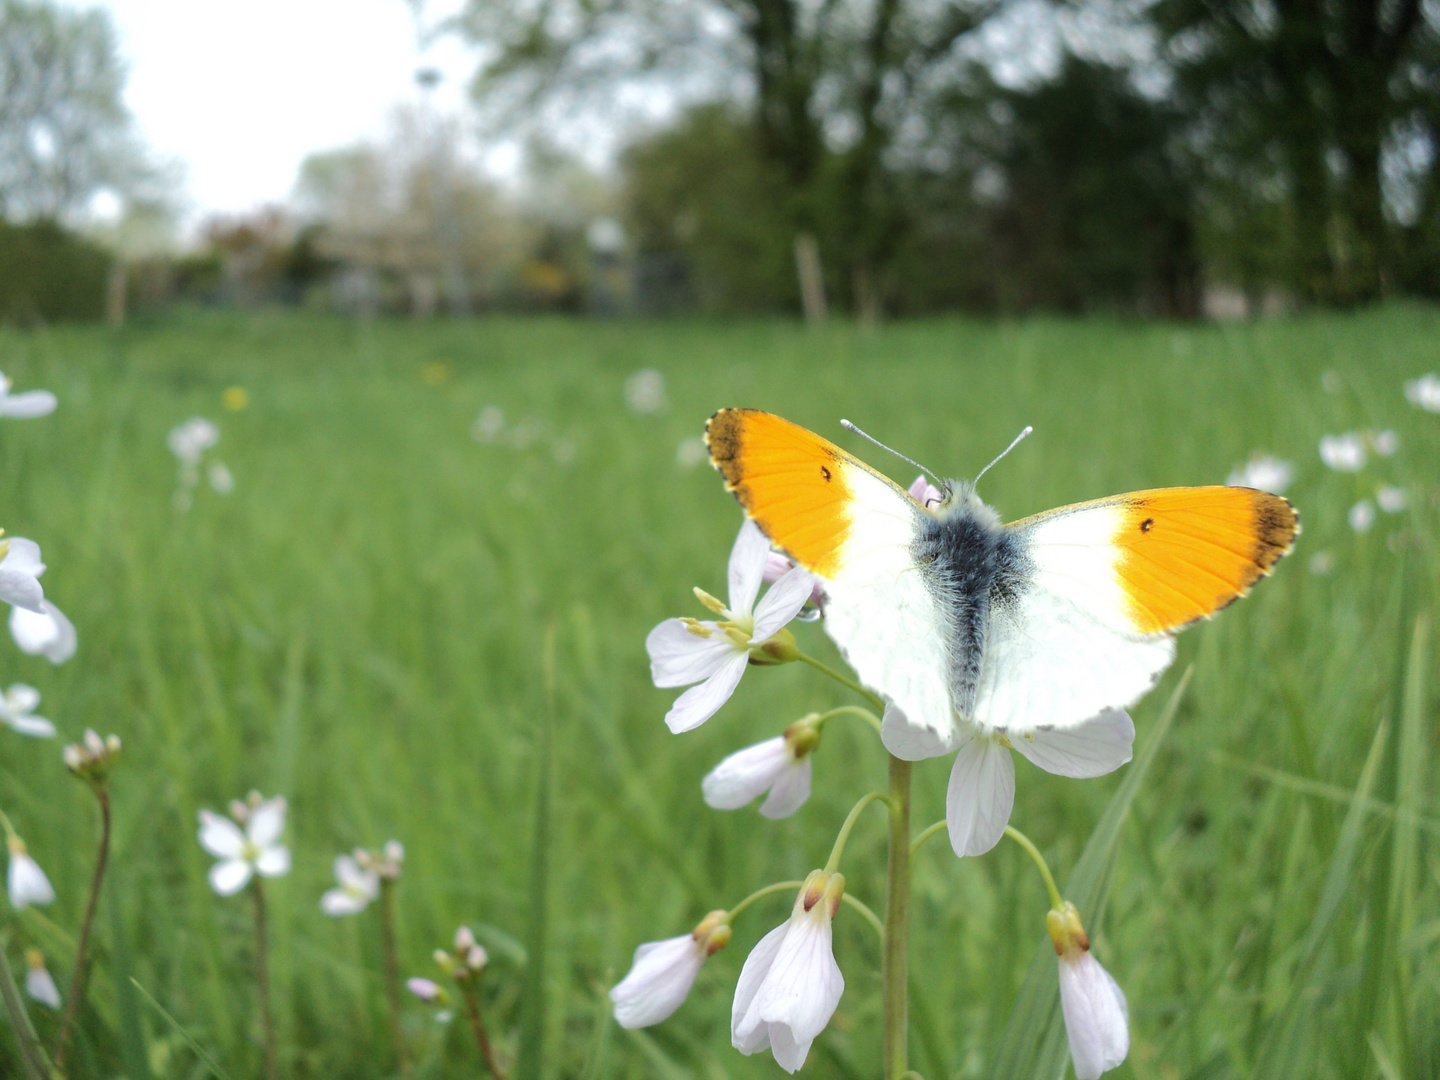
(361, 626)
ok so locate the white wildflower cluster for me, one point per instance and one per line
(359, 876)
(92, 758)
(191, 443)
(246, 843)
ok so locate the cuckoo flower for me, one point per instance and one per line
(1264, 472)
(715, 653)
(1424, 392)
(358, 887)
(1344, 453)
(17, 712)
(780, 766)
(662, 973)
(45, 632)
(256, 850)
(1096, 1016)
(24, 406)
(38, 983)
(790, 984)
(20, 570)
(26, 882)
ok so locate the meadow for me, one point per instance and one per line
(416, 633)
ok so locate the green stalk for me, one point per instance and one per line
(1034, 852)
(844, 680)
(895, 963)
(262, 984)
(392, 973)
(78, 973)
(833, 863)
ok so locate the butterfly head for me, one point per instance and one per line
(958, 498)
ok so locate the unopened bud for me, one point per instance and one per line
(395, 851)
(74, 758)
(464, 940)
(778, 648)
(477, 958)
(803, 735)
(112, 744)
(427, 990)
(445, 961)
(717, 939)
(93, 743)
(1066, 931)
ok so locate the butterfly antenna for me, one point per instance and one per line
(1013, 443)
(848, 426)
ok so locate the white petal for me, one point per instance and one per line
(40, 986)
(981, 793)
(746, 774)
(789, 1053)
(658, 981)
(782, 603)
(37, 726)
(273, 861)
(28, 405)
(748, 1034)
(338, 902)
(907, 741)
(27, 882)
(220, 836)
(679, 658)
(1096, 1016)
(21, 699)
(699, 703)
(266, 822)
(791, 790)
(747, 567)
(20, 589)
(230, 876)
(350, 876)
(802, 988)
(1098, 746)
(47, 633)
(23, 557)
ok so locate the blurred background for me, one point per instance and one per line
(1147, 157)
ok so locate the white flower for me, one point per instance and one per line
(790, 984)
(1321, 563)
(489, 425)
(1263, 472)
(715, 654)
(662, 973)
(17, 712)
(1096, 1016)
(358, 887)
(1386, 443)
(1424, 392)
(20, 570)
(241, 854)
(691, 452)
(190, 440)
(38, 983)
(46, 633)
(1362, 516)
(27, 882)
(427, 990)
(645, 391)
(1344, 453)
(1392, 499)
(982, 780)
(780, 766)
(222, 480)
(24, 406)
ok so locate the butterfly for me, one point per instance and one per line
(967, 625)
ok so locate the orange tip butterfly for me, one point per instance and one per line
(968, 625)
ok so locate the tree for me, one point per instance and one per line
(1297, 107)
(64, 131)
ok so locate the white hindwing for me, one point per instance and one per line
(1063, 649)
(879, 611)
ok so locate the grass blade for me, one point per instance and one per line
(1034, 1043)
(129, 1021)
(532, 992)
(32, 1055)
(209, 1062)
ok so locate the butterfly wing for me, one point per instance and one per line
(1087, 622)
(853, 528)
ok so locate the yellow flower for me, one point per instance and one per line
(235, 398)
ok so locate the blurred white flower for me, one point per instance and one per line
(38, 983)
(46, 633)
(645, 391)
(790, 984)
(358, 886)
(1362, 516)
(255, 851)
(1321, 563)
(489, 425)
(780, 766)
(1096, 1015)
(24, 406)
(691, 452)
(20, 570)
(1343, 453)
(1263, 472)
(1331, 382)
(26, 882)
(17, 712)
(715, 654)
(222, 480)
(1386, 443)
(1424, 392)
(1392, 499)
(190, 440)
(427, 990)
(662, 973)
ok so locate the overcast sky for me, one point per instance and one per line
(240, 91)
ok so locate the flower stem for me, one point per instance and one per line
(392, 972)
(82, 942)
(262, 983)
(833, 863)
(866, 914)
(844, 680)
(895, 964)
(759, 894)
(1024, 841)
(33, 1061)
(472, 1010)
(925, 834)
(852, 710)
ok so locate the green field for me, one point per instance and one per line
(362, 627)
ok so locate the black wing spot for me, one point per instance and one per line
(825, 473)
(1147, 524)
